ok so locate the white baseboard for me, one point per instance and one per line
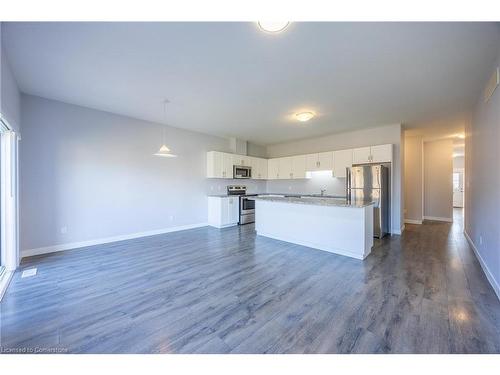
(495, 285)
(318, 247)
(412, 221)
(437, 218)
(100, 241)
(398, 231)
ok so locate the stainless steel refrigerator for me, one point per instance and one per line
(371, 183)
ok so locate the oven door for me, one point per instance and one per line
(240, 171)
(247, 206)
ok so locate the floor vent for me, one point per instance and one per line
(28, 273)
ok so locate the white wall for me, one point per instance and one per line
(94, 173)
(359, 138)
(438, 182)
(482, 181)
(10, 98)
(413, 191)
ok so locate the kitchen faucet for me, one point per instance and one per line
(323, 191)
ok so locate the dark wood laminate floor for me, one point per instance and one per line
(228, 291)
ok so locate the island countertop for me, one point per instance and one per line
(318, 201)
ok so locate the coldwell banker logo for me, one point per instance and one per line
(33, 350)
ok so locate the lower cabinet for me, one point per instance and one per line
(223, 211)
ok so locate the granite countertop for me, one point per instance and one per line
(294, 195)
(319, 201)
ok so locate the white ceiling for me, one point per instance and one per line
(231, 79)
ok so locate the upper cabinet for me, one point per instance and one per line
(214, 164)
(322, 161)
(220, 164)
(259, 168)
(361, 155)
(373, 154)
(242, 160)
(285, 168)
(299, 166)
(273, 171)
(341, 160)
(381, 153)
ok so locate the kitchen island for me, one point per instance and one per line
(334, 225)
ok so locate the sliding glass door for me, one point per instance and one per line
(9, 258)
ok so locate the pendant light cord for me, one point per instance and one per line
(164, 125)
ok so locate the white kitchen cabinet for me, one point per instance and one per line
(311, 162)
(341, 160)
(223, 211)
(227, 165)
(273, 171)
(325, 160)
(242, 160)
(219, 165)
(372, 154)
(322, 161)
(285, 168)
(381, 153)
(299, 166)
(261, 169)
(361, 155)
(214, 164)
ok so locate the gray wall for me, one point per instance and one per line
(10, 98)
(438, 183)
(413, 192)
(482, 179)
(359, 138)
(94, 173)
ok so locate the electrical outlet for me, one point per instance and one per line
(480, 240)
(64, 230)
(289, 188)
(171, 217)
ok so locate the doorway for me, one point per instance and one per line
(458, 187)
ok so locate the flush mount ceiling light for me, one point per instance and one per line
(273, 27)
(164, 151)
(304, 116)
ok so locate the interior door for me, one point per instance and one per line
(458, 188)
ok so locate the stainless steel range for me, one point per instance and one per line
(247, 206)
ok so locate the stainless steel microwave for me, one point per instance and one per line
(241, 171)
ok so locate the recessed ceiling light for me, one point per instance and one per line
(304, 116)
(273, 27)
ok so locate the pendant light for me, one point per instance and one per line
(164, 151)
